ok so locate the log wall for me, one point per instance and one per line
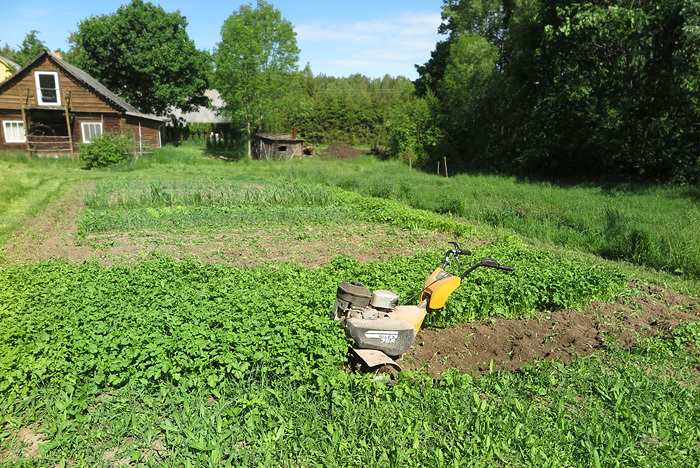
(82, 99)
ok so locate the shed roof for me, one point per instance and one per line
(278, 137)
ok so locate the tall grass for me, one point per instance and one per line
(655, 226)
(131, 193)
(126, 204)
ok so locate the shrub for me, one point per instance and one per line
(107, 150)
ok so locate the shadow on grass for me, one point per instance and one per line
(230, 150)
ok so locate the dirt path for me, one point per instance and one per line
(51, 233)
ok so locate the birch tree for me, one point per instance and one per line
(254, 61)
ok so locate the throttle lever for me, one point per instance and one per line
(490, 262)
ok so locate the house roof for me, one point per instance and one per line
(9, 62)
(88, 81)
(7, 67)
(204, 114)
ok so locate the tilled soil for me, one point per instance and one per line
(494, 344)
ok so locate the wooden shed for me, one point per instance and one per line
(276, 146)
(51, 106)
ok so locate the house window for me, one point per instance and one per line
(91, 130)
(47, 91)
(14, 131)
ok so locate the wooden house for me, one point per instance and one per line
(51, 106)
(276, 146)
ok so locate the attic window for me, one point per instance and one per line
(47, 91)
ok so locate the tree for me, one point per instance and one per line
(411, 130)
(485, 18)
(352, 109)
(580, 88)
(144, 54)
(432, 71)
(609, 96)
(31, 47)
(254, 61)
(7, 52)
(465, 95)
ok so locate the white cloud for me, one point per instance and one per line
(392, 44)
(418, 24)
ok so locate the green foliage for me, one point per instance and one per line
(199, 132)
(616, 409)
(411, 132)
(576, 88)
(654, 226)
(144, 204)
(254, 61)
(599, 71)
(542, 281)
(485, 18)
(464, 96)
(164, 321)
(353, 109)
(144, 54)
(192, 324)
(178, 363)
(107, 150)
(31, 47)
(238, 364)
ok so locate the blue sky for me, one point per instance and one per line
(336, 38)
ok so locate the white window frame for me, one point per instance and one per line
(8, 124)
(39, 94)
(87, 138)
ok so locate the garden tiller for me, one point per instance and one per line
(382, 330)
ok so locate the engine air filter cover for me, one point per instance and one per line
(383, 299)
